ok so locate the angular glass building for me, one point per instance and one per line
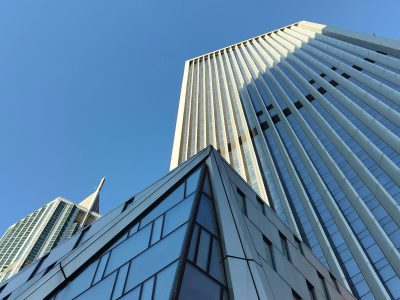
(309, 116)
(39, 232)
(200, 232)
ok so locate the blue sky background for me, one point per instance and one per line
(91, 88)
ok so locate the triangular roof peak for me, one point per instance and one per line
(91, 203)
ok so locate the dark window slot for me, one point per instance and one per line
(321, 90)
(240, 140)
(269, 107)
(229, 147)
(381, 52)
(259, 113)
(357, 68)
(333, 82)
(298, 104)
(322, 75)
(264, 126)
(312, 81)
(310, 97)
(287, 111)
(334, 68)
(345, 75)
(369, 60)
(275, 119)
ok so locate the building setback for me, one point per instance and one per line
(39, 232)
(309, 116)
(200, 232)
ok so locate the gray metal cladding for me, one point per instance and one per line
(309, 116)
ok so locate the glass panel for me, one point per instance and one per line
(193, 243)
(100, 291)
(164, 282)
(207, 186)
(79, 283)
(156, 235)
(198, 286)
(132, 295)
(101, 267)
(155, 258)
(128, 249)
(119, 285)
(191, 182)
(175, 197)
(178, 215)
(147, 289)
(204, 249)
(216, 263)
(205, 215)
(134, 229)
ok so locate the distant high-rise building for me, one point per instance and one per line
(39, 232)
(309, 116)
(198, 233)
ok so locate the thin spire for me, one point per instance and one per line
(91, 203)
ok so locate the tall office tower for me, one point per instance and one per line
(200, 232)
(39, 232)
(309, 116)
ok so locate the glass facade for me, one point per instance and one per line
(162, 254)
(309, 116)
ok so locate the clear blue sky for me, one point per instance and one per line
(90, 88)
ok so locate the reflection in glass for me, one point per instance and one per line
(119, 284)
(178, 215)
(100, 291)
(205, 215)
(191, 182)
(147, 289)
(198, 286)
(164, 282)
(155, 258)
(128, 249)
(79, 284)
(164, 205)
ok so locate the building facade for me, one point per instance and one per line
(200, 232)
(39, 232)
(309, 116)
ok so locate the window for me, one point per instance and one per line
(381, 52)
(345, 75)
(298, 244)
(333, 83)
(298, 104)
(264, 126)
(321, 90)
(269, 252)
(287, 111)
(285, 247)
(369, 60)
(310, 97)
(242, 201)
(324, 287)
(295, 295)
(357, 68)
(311, 290)
(275, 119)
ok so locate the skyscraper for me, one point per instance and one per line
(200, 232)
(39, 232)
(309, 116)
